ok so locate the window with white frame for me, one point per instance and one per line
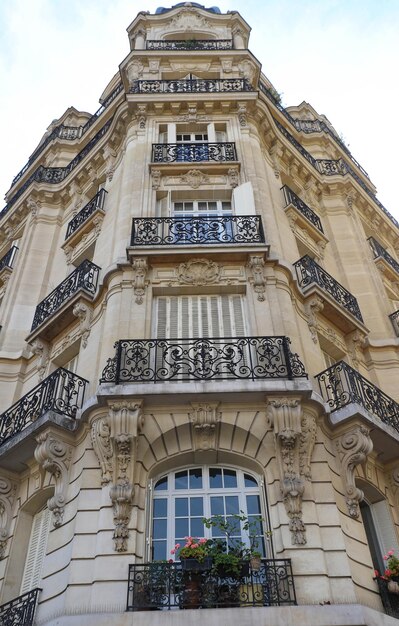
(182, 498)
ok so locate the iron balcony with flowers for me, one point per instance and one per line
(388, 584)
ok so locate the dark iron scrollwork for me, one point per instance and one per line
(379, 251)
(61, 392)
(95, 203)
(232, 358)
(21, 611)
(189, 44)
(394, 317)
(341, 385)
(84, 277)
(167, 586)
(308, 272)
(193, 152)
(8, 259)
(191, 85)
(292, 198)
(171, 231)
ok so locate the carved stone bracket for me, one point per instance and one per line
(125, 420)
(7, 497)
(84, 313)
(353, 448)
(295, 435)
(156, 176)
(42, 350)
(140, 266)
(233, 177)
(242, 114)
(356, 343)
(142, 115)
(198, 272)
(312, 307)
(100, 437)
(204, 420)
(394, 482)
(54, 455)
(256, 264)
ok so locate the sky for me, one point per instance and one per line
(341, 56)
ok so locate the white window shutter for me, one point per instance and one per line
(212, 133)
(171, 133)
(243, 199)
(36, 551)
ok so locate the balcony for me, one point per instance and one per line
(7, 264)
(21, 611)
(231, 358)
(191, 85)
(166, 586)
(394, 317)
(83, 218)
(190, 44)
(194, 152)
(55, 311)
(292, 199)
(336, 299)
(390, 601)
(385, 262)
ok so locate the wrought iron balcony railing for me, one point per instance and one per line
(8, 259)
(21, 611)
(390, 601)
(166, 586)
(394, 317)
(191, 85)
(341, 385)
(309, 272)
(193, 152)
(224, 358)
(204, 230)
(379, 251)
(292, 198)
(61, 392)
(85, 278)
(95, 203)
(190, 44)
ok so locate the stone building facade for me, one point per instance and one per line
(199, 310)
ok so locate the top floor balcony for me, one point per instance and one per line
(189, 44)
(337, 300)
(191, 85)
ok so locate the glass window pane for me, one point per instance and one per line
(160, 507)
(230, 479)
(234, 525)
(202, 206)
(197, 527)
(215, 478)
(217, 505)
(256, 525)
(159, 528)
(181, 480)
(159, 551)
(181, 507)
(181, 527)
(212, 206)
(232, 505)
(196, 478)
(253, 504)
(196, 506)
(161, 484)
(250, 481)
(226, 206)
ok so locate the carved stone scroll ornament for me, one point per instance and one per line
(125, 421)
(294, 438)
(84, 313)
(100, 437)
(142, 115)
(140, 266)
(54, 456)
(194, 178)
(204, 420)
(198, 272)
(353, 448)
(312, 307)
(394, 482)
(242, 114)
(233, 177)
(256, 264)
(156, 176)
(42, 350)
(7, 498)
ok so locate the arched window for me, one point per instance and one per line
(182, 498)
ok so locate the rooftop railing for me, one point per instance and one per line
(309, 272)
(191, 85)
(61, 392)
(224, 358)
(379, 251)
(189, 44)
(80, 218)
(292, 198)
(193, 152)
(341, 385)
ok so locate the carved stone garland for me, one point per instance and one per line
(353, 448)
(54, 456)
(204, 420)
(7, 498)
(295, 435)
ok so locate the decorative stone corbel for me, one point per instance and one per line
(7, 497)
(242, 114)
(68, 250)
(312, 307)
(256, 264)
(101, 440)
(33, 206)
(356, 344)
(276, 153)
(353, 448)
(295, 435)
(394, 482)
(134, 70)
(54, 455)
(204, 420)
(140, 266)
(42, 349)
(125, 420)
(84, 313)
(142, 115)
(321, 248)
(156, 179)
(232, 174)
(110, 160)
(227, 66)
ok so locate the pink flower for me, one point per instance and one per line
(387, 572)
(173, 551)
(177, 546)
(376, 573)
(385, 557)
(194, 545)
(202, 541)
(171, 561)
(390, 553)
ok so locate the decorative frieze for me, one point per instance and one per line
(194, 179)
(198, 272)
(353, 447)
(54, 455)
(204, 420)
(7, 497)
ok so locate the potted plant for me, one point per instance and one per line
(391, 573)
(195, 554)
